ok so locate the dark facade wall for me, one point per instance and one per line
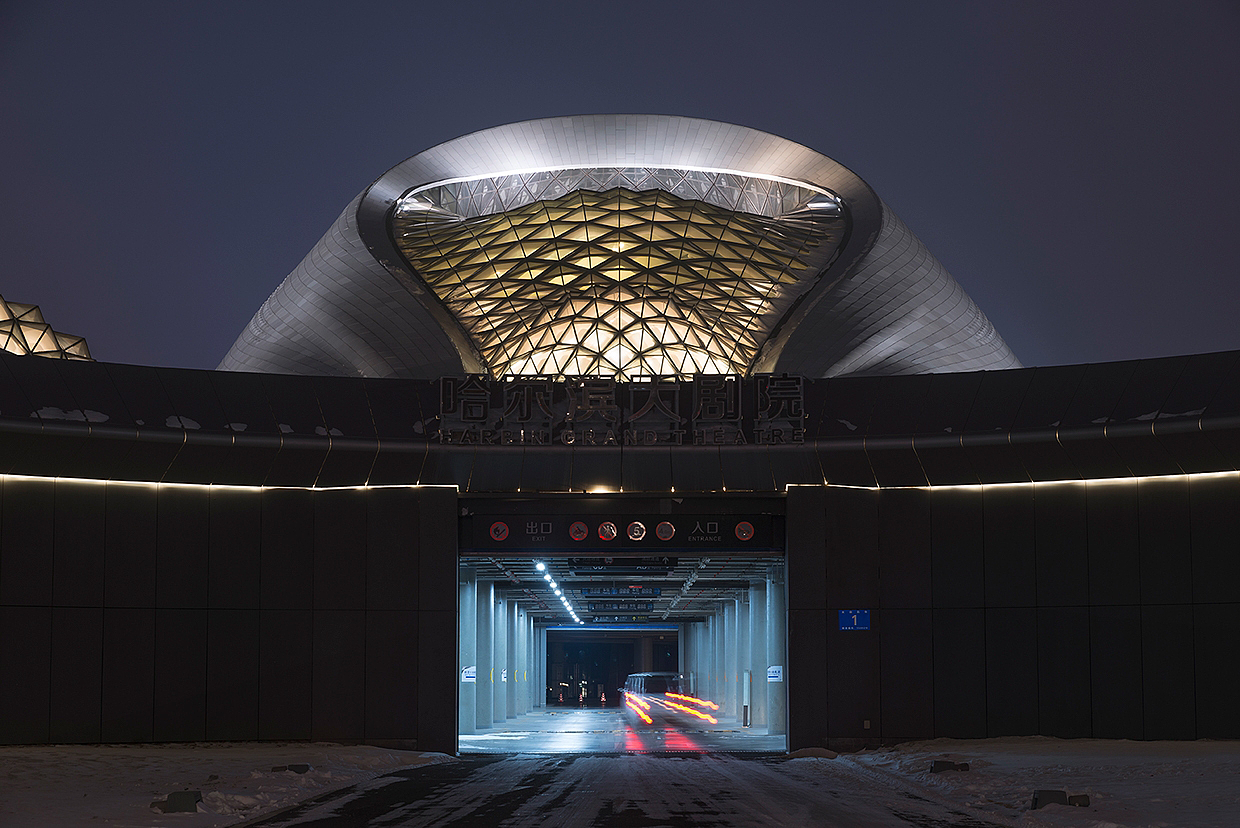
(101, 421)
(1103, 610)
(139, 613)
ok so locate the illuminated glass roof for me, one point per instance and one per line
(24, 331)
(618, 272)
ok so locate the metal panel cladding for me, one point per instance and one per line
(618, 245)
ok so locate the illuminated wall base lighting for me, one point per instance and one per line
(1094, 481)
(224, 486)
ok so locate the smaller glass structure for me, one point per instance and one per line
(23, 330)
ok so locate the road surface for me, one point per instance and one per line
(629, 791)
(609, 731)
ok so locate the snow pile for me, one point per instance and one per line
(60, 786)
(1128, 783)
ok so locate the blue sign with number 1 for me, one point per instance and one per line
(854, 619)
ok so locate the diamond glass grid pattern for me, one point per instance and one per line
(24, 331)
(618, 272)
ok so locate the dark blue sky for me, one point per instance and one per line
(1074, 165)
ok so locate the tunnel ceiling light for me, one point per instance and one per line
(554, 585)
(547, 577)
(540, 566)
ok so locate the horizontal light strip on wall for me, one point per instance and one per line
(237, 486)
(1063, 482)
(602, 490)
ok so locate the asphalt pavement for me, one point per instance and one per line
(641, 790)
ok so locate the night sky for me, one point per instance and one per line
(1073, 165)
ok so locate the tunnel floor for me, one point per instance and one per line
(607, 731)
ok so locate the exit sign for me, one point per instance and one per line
(854, 619)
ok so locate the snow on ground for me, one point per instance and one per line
(1129, 783)
(66, 786)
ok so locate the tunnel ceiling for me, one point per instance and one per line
(689, 587)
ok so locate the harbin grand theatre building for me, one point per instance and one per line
(569, 400)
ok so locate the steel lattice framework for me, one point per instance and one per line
(23, 330)
(618, 283)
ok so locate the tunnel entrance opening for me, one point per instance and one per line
(587, 666)
(546, 644)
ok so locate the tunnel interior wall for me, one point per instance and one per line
(1105, 610)
(148, 613)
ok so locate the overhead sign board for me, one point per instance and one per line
(626, 592)
(603, 533)
(619, 606)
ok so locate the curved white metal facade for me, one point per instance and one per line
(389, 292)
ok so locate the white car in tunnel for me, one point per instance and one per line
(658, 699)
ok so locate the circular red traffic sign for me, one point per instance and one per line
(499, 530)
(578, 531)
(665, 531)
(744, 530)
(607, 531)
(637, 530)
